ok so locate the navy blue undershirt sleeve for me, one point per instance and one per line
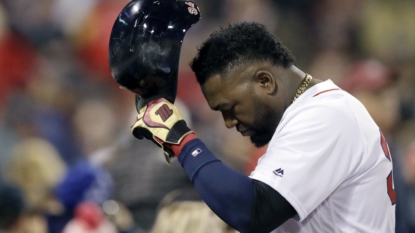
(228, 193)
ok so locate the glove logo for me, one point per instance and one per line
(164, 112)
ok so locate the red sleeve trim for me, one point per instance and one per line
(178, 148)
(334, 89)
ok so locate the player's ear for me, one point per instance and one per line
(266, 82)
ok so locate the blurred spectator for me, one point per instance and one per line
(89, 218)
(121, 217)
(188, 217)
(41, 110)
(14, 217)
(36, 167)
(405, 212)
(406, 87)
(95, 125)
(335, 24)
(31, 222)
(36, 23)
(261, 11)
(16, 69)
(51, 188)
(11, 206)
(409, 165)
(86, 180)
(385, 29)
(82, 183)
(184, 212)
(330, 64)
(374, 84)
(142, 178)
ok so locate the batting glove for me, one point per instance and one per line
(161, 122)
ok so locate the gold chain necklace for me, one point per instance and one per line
(307, 79)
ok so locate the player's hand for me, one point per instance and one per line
(161, 122)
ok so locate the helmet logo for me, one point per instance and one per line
(192, 10)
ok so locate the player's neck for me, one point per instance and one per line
(294, 77)
(297, 78)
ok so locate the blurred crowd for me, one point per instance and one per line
(68, 162)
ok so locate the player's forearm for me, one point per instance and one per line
(228, 193)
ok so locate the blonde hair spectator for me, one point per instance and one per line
(36, 167)
(189, 217)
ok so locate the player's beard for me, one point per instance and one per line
(264, 124)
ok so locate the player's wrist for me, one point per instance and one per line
(177, 148)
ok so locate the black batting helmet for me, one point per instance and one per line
(145, 45)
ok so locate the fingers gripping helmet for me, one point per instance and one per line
(145, 45)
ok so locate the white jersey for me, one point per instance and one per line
(330, 161)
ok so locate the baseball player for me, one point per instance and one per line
(327, 167)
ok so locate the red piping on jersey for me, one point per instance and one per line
(321, 92)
